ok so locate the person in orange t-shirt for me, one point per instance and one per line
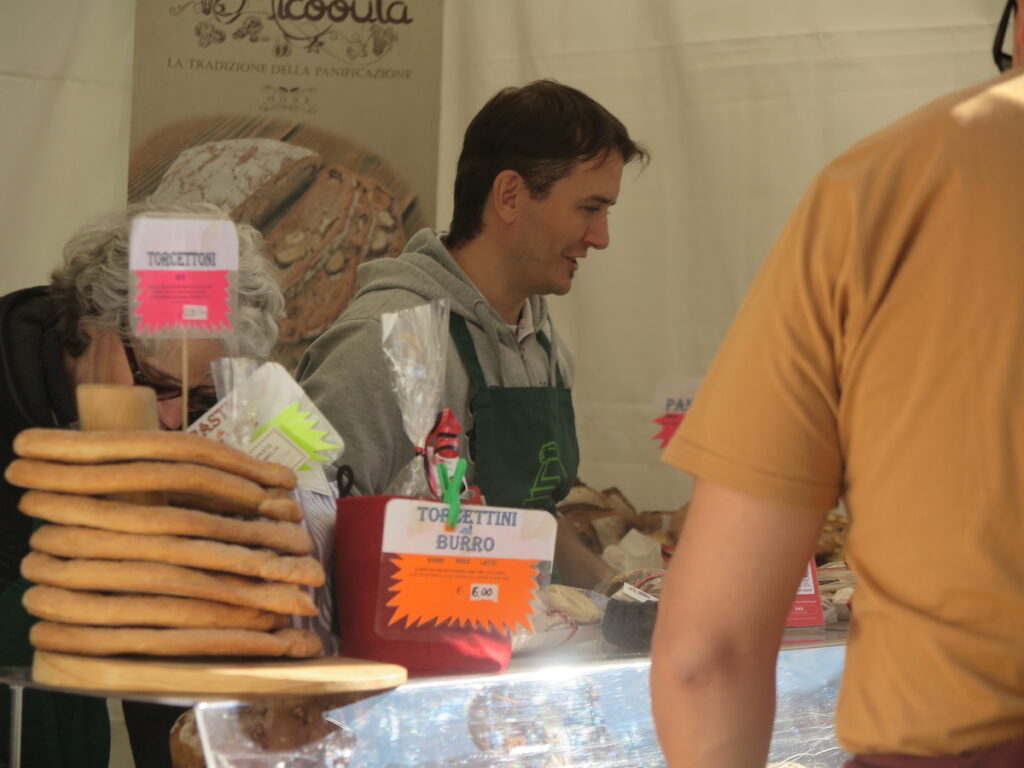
(878, 358)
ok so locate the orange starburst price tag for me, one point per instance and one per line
(468, 592)
(482, 576)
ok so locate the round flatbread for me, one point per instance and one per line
(281, 536)
(105, 641)
(135, 476)
(74, 541)
(75, 447)
(94, 608)
(135, 577)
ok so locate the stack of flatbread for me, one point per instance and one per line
(162, 543)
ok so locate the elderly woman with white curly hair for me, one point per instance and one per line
(77, 330)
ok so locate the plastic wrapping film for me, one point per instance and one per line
(596, 715)
(415, 341)
(807, 684)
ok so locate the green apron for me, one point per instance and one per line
(523, 440)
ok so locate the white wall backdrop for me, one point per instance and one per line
(739, 101)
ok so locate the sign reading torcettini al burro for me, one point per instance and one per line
(316, 121)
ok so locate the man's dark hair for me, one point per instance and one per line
(541, 131)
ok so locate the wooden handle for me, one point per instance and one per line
(115, 407)
(119, 408)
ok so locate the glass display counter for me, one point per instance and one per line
(580, 706)
(576, 708)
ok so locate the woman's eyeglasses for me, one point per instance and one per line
(200, 398)
(1003, 59)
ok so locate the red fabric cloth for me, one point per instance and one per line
(357, 577)
(1009, 754)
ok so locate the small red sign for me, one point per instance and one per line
(806, 609)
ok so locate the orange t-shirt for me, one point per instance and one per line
(880, 357)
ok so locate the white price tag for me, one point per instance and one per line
(484, 592)
(635, 595)
(274, 445)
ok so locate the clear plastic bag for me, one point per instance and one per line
(415, 342)
(263, 411)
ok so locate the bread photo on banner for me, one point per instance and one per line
(323, 205)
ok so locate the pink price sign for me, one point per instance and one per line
(183, 268)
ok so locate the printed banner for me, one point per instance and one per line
(316, 122)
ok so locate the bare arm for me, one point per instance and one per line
(733, 577)
(577, 565)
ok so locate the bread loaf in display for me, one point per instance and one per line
(282, 731)
(603, 518)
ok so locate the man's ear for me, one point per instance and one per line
(506, 192)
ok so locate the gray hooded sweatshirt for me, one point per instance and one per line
(346, 374)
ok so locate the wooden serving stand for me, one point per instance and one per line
(235, 678)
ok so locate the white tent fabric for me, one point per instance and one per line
(739, 101)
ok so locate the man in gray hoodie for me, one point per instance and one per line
(540, 167)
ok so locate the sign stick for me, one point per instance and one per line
(184, 383)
